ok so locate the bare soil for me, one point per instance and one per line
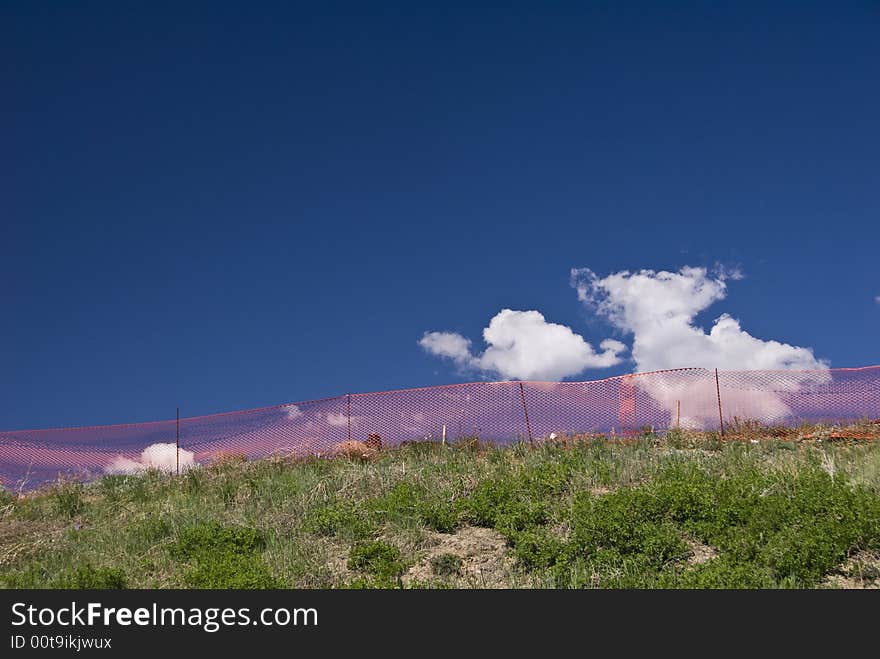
(859, 572)
(700, 552)
(483, 554)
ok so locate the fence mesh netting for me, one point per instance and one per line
(499, 412)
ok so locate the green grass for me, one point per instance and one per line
(380, 560)
(445, 565)
(772, 514)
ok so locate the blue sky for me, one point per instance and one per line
(226, 206)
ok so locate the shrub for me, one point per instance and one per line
(230, 571)
(538, 549)
(372, 583)
(518, 500)
(719, 573)
(626, 522)
(440, 515)
(33, 574)
(87, 577)
(407, 502)
(445, 565)
(212, 539)
(401, 502)
(510, 504)
(378, 558)
(340, 519)
(223, 557)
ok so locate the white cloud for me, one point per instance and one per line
(658, 309)
(522, 345)
(337, 419)
(156, 456)
(293, 412)
(877, 299)
(447, 344)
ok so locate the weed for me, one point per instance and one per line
(408, 502)
(68, 500)
(538, 548)
(372, 583)
(213, 538)
(446, 565)
(230, 571)
(223, 557)
(377, 558)
(340, 519)
(505, 504)
(440, 515)
(193, 481)
(722, 572)
(87, 577)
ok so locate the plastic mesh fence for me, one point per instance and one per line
(500, 412)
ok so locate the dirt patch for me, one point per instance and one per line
(860, 571)
(700, 552)
(483, 554)
(336, 560)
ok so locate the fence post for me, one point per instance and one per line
(349, 417)
(718, 393)
(522, 396)
(177, 441)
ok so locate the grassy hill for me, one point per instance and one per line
(687, 510)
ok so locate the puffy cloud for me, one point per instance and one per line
(160, 456)
(338, 420)
(522, 345)
(658, 309)
(447, 344)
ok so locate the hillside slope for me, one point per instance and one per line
(680, 511)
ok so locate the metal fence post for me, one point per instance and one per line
(349, 417)
(718, 393)
(522, 396)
